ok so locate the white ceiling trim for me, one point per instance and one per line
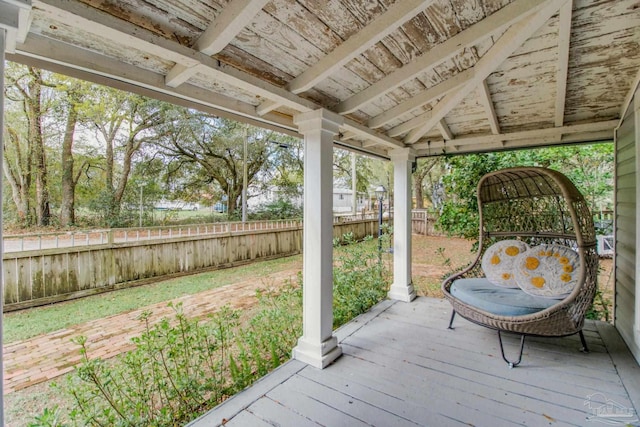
(564, 39)
(477, 32)
(511, 40)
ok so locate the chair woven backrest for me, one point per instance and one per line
(540, 205)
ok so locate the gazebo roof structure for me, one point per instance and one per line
(438, 76)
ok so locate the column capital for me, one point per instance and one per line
(407, 154)
(320, 119)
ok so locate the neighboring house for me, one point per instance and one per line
(343, 200)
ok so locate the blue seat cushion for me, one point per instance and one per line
(484, 295)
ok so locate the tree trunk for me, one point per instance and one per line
(67, 204)
(34, 107)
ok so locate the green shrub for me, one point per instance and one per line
(180, 367)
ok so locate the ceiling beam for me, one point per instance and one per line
(534, 142)
(564, 38)
(444, 130)
(388, 22)
(554, 133)
(485, 100)
(235, 16)
(226, 26)
(420, 99)
(477, 32)
(104, 25)
(266, 107)
(180, 74)
(511, 40)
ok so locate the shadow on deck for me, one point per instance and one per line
(402, 367)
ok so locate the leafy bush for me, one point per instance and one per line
(279, 209)
(359, 279)
(180, 367)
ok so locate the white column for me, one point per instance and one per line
(402, 287)
(318, 346)
(3, 34)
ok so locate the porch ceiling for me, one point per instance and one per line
(441, 76)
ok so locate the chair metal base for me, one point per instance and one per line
(513, 364)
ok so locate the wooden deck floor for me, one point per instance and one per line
(402, 367)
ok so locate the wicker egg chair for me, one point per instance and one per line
(537, 206)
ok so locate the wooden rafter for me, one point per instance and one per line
(564, 38)
(231, 21)
(477, 32)
(388, 22)
(421, 99)
(444, 130)
(512, 39)
(487, 103)
(378, 29)
(225, 28)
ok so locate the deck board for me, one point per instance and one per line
(401, 366)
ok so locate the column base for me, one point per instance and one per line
(404, 293)
(318, 356)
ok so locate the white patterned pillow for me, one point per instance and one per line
(550, 271)
(498, 260)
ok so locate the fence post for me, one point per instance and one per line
(110, 236)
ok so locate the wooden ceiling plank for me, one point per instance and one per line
(228, 24)
(504, 17)
(564, 38)
(355, 45)
(485, 100)
(511, 40)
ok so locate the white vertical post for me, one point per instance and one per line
(3, 35)
(636, 118)
(318, 346)
(402, 287)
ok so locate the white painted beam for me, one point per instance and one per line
(420, 99)
(266, 107)
(228, 24)
(104, 25)
(388, 22)
(487, 103)
(511, 40)
(60, 57)
(180, 74)
(492, 24)
(564, 38)
(355, 127)
(444, 130)
(555, 134)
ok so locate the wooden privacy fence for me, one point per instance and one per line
(43, 276)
